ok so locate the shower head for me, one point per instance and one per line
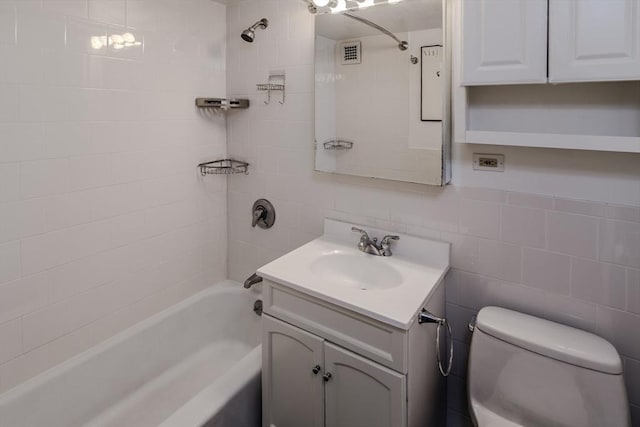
(403, 45)
(249, 34)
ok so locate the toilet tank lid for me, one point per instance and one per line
(550, 339)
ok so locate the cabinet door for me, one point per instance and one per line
(292, 394)
(594, 40)
(361, 393)
(504, 41)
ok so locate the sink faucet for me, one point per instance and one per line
(371, 246)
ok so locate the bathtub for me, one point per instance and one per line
(196, 363)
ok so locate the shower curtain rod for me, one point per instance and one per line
(403, 45)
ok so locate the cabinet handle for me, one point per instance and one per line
(316, 369)
(326, 377)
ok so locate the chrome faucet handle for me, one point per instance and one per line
(385, 244)
(361, 231)
(365, 241)
(385, 239)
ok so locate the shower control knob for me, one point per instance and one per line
(326, 377)
(316, 369)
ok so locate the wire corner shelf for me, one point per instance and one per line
(224, 167)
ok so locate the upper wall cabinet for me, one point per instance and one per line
(504, 41)
(499, 55)
(594, 40)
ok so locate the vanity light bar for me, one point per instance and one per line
(337, 6)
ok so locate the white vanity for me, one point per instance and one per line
(342, 345)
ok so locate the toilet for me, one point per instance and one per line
(527, 371)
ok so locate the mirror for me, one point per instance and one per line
(382, 89)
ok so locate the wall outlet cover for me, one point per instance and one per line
(488, 162)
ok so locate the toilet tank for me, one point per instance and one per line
(532, 372)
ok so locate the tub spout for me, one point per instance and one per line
(254, 279)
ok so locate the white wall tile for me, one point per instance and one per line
(38, 29)
(546, 270)
(617, 326)
(10, 340)
(524, 226)
(620, 242)
(76, 8)
(109, 11)
(21, 219)
(500, 260)
(572, 234)
(527, 200)
(43, 178)
(9, 103)
(9, 261)
(633, 290)
(78, 182)
(9, 182)
(579, 207)
(480, 219)
(22, 296)
(598, 282)
(7, 24)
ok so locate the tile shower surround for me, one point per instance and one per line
(569, 260)
(103, 218)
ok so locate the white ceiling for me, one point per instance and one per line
(408, 15)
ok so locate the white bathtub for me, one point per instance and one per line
(195, 364)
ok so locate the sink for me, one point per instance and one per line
(390, 289)
(358, 271)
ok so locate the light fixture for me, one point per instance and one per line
(324, 3)
(341, 6)
(365, 3)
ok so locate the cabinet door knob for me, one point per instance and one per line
(326, 377)
(316, 369)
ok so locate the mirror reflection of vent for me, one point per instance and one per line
(350, 52)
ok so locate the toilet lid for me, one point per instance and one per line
(550, 339)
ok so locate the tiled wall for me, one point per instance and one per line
(549, 254)
(103, 217)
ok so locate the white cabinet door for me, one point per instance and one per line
(504, 41)
(292, 393)
(594, 40)
(361, 393)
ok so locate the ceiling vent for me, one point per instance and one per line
(350, 52)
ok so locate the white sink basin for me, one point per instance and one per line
(358, 271)
(390, 289)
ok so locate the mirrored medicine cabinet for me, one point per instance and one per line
(382, 90)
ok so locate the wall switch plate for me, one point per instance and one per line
(488, 162)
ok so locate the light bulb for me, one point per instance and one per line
(117, 38)
(96, 43)
(129, 38)
(365, 3)
(340, 7)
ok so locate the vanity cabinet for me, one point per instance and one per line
(505, 41)
(323, 365)
(311, 382)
